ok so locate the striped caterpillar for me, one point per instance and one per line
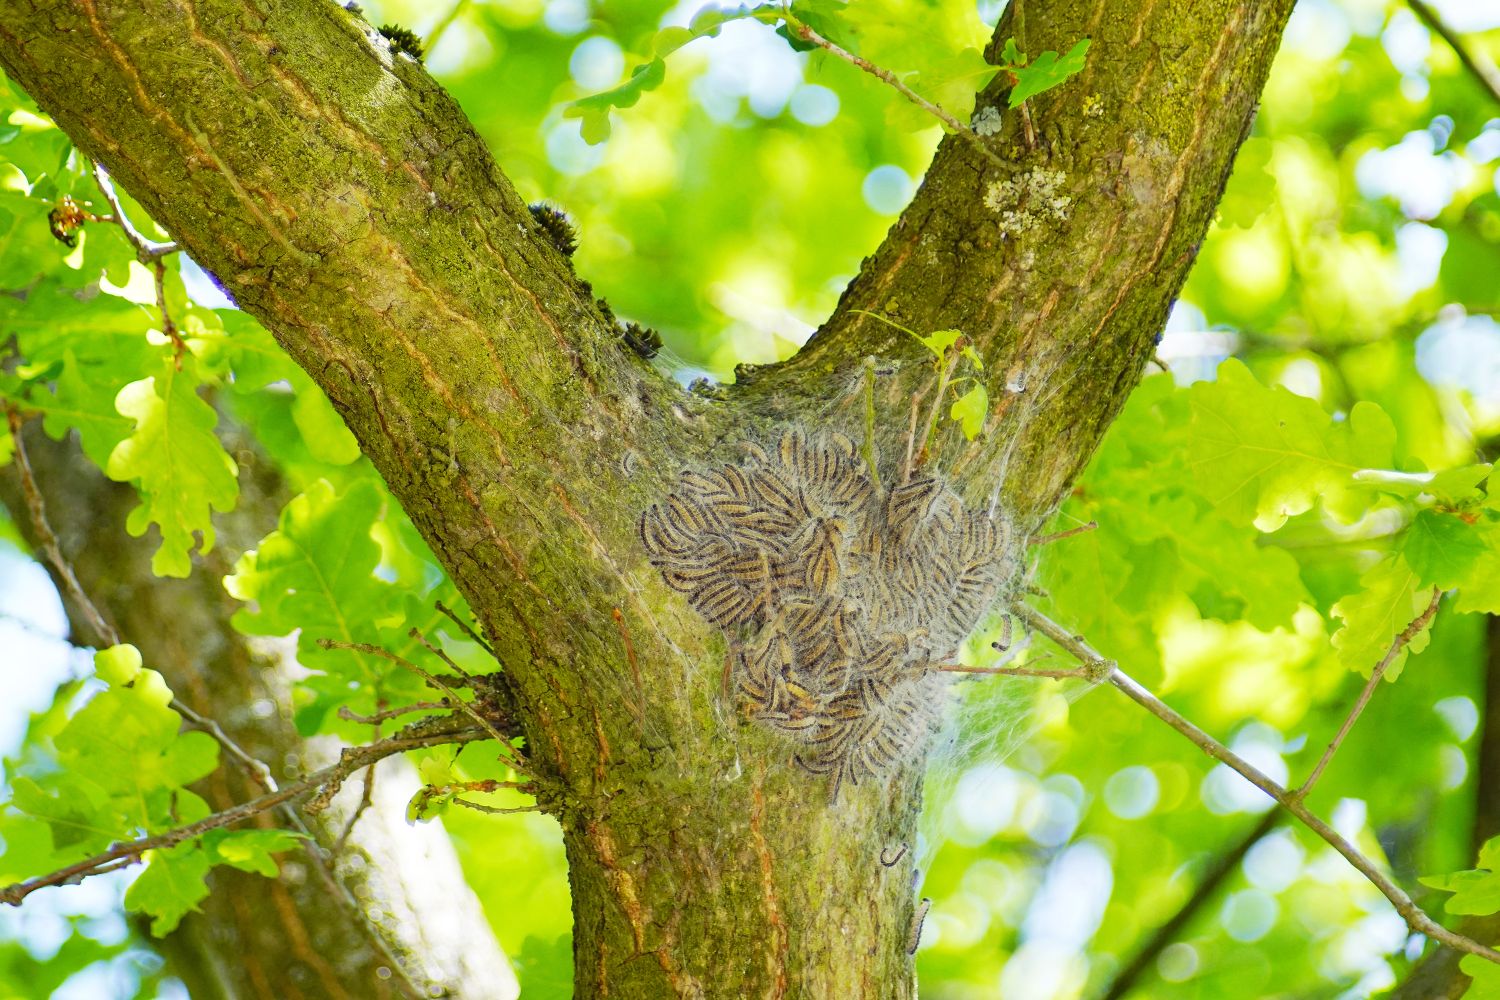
(840, 601)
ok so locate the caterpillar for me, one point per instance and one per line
(840, 601)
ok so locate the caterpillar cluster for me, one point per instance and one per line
(840, 601)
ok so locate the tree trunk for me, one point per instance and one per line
(305, 934)
(343, 199)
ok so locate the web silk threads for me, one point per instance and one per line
(840, 602)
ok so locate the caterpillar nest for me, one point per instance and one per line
(840, 602)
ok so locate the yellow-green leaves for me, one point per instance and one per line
(970, 409)
(935, 47)
(316, 573)
(1476, 892)
(1388, 599)
(343, 564)
(113, 769)
(1048, 71)
(1264, 454)
(176, 463)
(594, 110)
(173, 883)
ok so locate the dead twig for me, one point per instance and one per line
(509, 753)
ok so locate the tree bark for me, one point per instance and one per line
(299, 935)
(343, 199)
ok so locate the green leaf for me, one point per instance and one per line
(709, 20)
(594, 110)
(1485, 975)
(939, 341)
(316, 573)
(171, 886)
(935, 48)
(231, 342)
(1442, 548)
(249, 850)
(1047, 72)
(1457, 487)
(1389, 599)
(1476, 892)
(177, 464)
(118, 665)
(970, 410)
(114, 769)
(1265, 454)
(1477, 579)
(1251, 188)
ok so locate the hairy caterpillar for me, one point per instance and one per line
(840, 601)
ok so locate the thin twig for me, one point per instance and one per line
(437, 651)
(46, 538)
(430, 792)
(366, 799)
(1062, 673)
(944, 377)
(509, 752)
(257, 769)
(911, 436)
(1058, 536)
(1483, 70)
(435, 35)
(1416, 919)
(149, 252)
(808, 34)
(1376, 676)
(351, 761)
(466, 628)
(145, 248)
(1028, 131)
(349, 715)
(497, 810)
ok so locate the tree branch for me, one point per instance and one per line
(508, 755)
(1291, 801)
(1412, 630)
(1219, 870)
(204, 658)
(1060, 262)
(352, 759)
(1481, 68)
(807, 34)
(46, 538)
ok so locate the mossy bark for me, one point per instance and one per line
(344, 200)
